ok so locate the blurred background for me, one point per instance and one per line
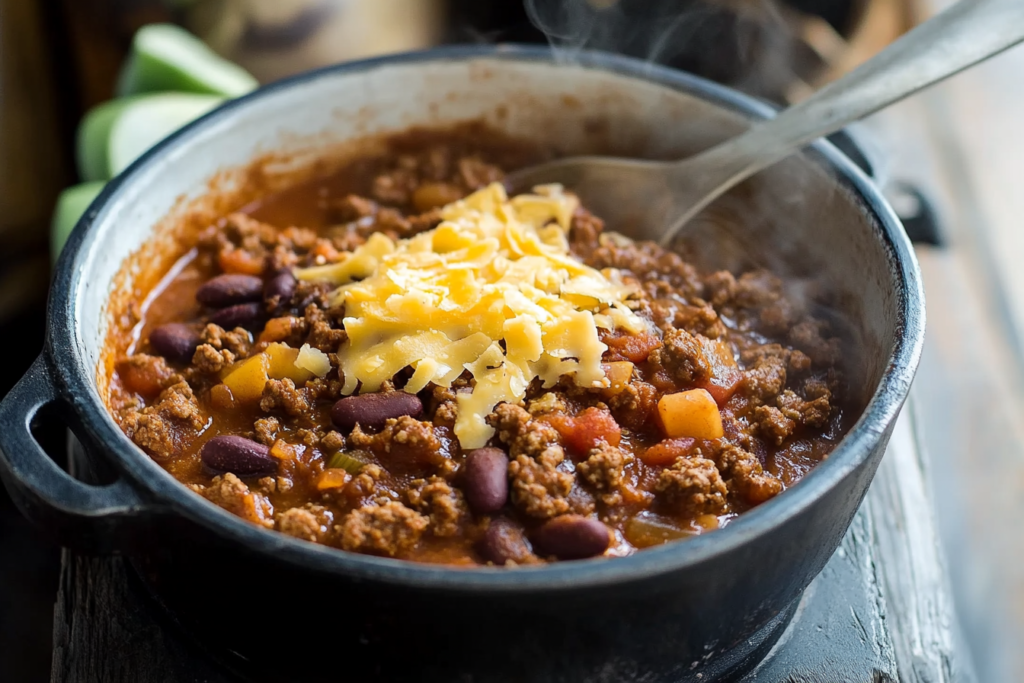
(958, 149)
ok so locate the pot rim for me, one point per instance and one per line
(77, 381)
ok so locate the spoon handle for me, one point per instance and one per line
(961, 36)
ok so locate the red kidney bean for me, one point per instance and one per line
(572, 537)
(373, 410)
(174, 341)
(230, 289)
(280, 288)
(242, 315)
(237, 455)
(485, 480)
(503, 541)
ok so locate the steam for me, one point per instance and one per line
(747, 44)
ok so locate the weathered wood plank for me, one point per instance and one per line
(105, 633)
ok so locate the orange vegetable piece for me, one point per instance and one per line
(277, 329)
(283, 450)
(692, 413)
(240, 261)
(281, 364)
(247, 379)
(333, 478)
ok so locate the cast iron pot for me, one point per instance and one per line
(703, 609)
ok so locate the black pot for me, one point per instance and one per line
(697, 610)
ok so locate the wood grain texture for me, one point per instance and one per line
(105, 633)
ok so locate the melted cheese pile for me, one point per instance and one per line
(492, 290)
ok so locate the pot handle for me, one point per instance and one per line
(84, 517)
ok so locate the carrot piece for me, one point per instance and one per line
(282, 450)
(333, 478)
(277, 329)
(240, 261)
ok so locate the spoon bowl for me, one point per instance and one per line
(649, 200)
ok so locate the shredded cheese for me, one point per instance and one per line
(493, 290)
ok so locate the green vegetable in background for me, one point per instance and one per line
(170, 79)
(165, 58)
(71, 204)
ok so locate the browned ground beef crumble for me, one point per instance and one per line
(570, 451)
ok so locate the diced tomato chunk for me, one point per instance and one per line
(666, 452)
(725, 374)
(632, 347)
(580, 434)
(722, 388)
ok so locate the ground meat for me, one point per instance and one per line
(321, 335)
(812, 413)
(799, 362)
(475, 173)
(603, 469)
(634, 406)
(694, 484)
(584, 232)
(311, 523)
(773, 424)
(165, 427)
(538, 488)
(445, 505)
(387, 529)
(210, 361)
(745, 476)
(405, 444)
(654, 267)
(282, 395)
(682, 356)
(698, 318)
(266, 429)
(720, 287)
(765, 380)
(364, 485)
(757, 289)
(352, 207)
(524, 435)
(547, 402)
(332, 442)
(238, 341)
(807, 336)
(395, 186)
(231, 493)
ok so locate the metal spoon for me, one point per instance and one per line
(653, 200)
